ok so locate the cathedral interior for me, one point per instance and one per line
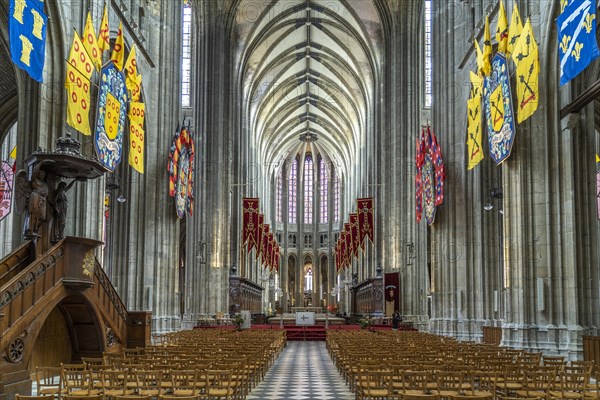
(306, 105)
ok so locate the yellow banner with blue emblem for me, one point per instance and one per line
(28, 22)
(577, 46)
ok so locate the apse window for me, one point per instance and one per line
(308, 280)
(292, 192)
(324, 191)
(336, 198)
(278, 191)
(308, 190)
(186, 55)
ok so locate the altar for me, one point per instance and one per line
(320, 319)
(316, 310)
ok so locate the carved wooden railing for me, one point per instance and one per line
(110, 304)
(29, 286)
(12, 264)
(61, 266)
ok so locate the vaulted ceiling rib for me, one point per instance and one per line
(309, 70)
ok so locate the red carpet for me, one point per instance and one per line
(305, 333)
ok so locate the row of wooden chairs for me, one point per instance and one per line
(229, 372)
(101, 397)
(419, 364)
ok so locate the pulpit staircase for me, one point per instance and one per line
(67, 276)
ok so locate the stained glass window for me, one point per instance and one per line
(324, 191)
(308, 189)
(292, 192)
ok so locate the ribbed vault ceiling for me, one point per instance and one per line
(308, 71)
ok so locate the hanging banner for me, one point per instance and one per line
(6, 184)
(577, 46)
(429, 185)
(110, 122)
(249, 222)
(354, 234)
(137, 112)
(364, 207)
(499, 110)
(261, 225)
(27, 23)
(428, 189)
(184, 195)
(598, 192)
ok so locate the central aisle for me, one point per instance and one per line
(304, 370)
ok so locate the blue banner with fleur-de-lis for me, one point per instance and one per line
(577, 46)
(28, 22)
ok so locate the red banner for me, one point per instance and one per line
(349, 242)
(354, 234)
(277, 257)
(270, 247)
(343, 250)
(265, 244)
(261, 223)
(250, 222)
(365, 210)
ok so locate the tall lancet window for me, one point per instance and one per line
(308, 189)
(308, 279)
(278, 190)
(336, 198)
(186, 55)
(324, 191)
(427, 56)
(293, 192)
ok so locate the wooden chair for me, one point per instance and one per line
(131, 397)
(374, 384)
(185, 383)
(465, 396)
(48, 381)
(27, 397)
(169, 397)
(77, 380)
(518, 398)
(219, 384)
(113, 383)
(84, 397)
(149, 383)
(416, 384)
(537, 383)
(572, 386)
(510, 380)
(421, 396)
(449, 383)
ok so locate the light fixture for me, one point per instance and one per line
(121, 198)
(494, 193)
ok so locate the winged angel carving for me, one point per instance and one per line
(32, 196)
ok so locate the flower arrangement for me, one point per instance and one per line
(364, 323)
(238, 320)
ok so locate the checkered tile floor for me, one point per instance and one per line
(303, 371)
